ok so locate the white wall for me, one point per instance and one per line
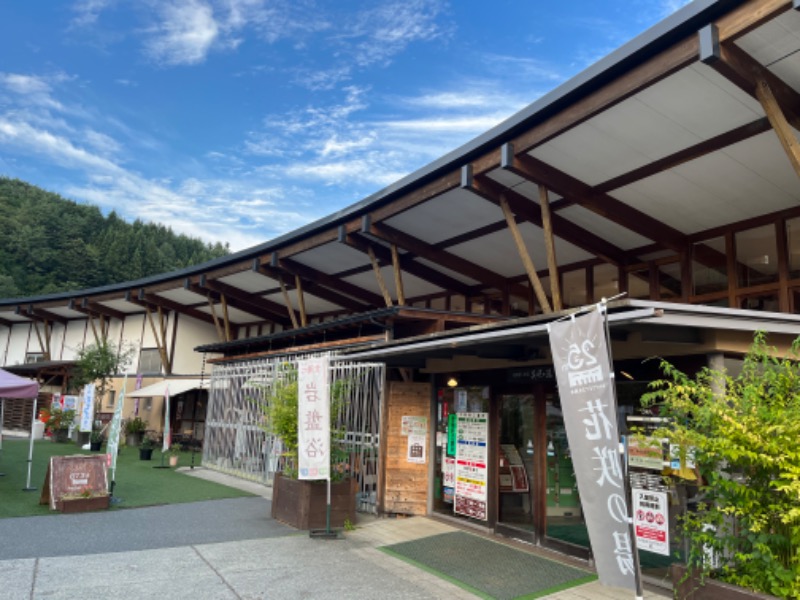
(18, 339)
(190, 334)
(74, 339)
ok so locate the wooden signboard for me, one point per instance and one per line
(81, 474)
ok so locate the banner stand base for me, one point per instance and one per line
(325, 534)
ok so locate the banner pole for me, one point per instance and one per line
(623, 451)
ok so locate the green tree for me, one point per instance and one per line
(744, 431)
(98, 363)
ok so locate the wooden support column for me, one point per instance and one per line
(160, 342)
(387, 297)
(525, 256)
(552, 266)
(779, 123)
(398, 276)
(225, 318)
(783, 266)
(217, 324)
(298, 284)
(97, 338)
(44, 342)
(288, 303)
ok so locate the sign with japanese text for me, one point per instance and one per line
(78, 475)
(651, 520)
(87, 409)
(413, 425)
(472, 458)
(313, 419)
(646, 453)
(586, 388)
(416, 448)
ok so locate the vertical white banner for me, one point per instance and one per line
(313, 419)
(87, 410)
(114, 431)
(167, 432)
(588, 402)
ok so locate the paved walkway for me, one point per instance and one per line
(275, 563)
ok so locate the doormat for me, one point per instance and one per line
(487, 568)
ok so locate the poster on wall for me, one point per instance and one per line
(651, 521)
(416, 448)
(472, 457)
(413, 425)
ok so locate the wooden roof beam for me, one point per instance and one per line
(450, 261)
(408, 264)
(531, 211)
(249, 303)
(310, 281)
(148, 301)
(326, 284)
(539, 172)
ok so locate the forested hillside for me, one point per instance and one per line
(50, 244)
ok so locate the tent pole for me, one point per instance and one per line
(2, 423)
(28, 487)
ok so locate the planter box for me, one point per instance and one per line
(75, 505)
(690, 588)
(145, 453)
(302, 504)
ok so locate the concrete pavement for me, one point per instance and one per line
(266, 560)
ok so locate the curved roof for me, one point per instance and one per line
(666, 142)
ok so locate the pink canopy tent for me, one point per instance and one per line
(13, 386)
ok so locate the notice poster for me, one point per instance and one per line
(645, 453)
(416, 448)
(472, 457)
(651, 521)
(413, 425)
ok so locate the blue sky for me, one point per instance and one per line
(239, 120)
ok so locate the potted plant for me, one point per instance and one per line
(87, 499)
(173, 453)
(134, 431)
(95, 440)
(146, 448)
(59, 422)
(302, 503)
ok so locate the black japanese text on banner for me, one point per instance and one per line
(313, 419)
(585, 386)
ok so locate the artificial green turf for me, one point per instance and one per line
(137, 482)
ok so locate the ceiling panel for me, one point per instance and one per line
(334, 257)
(446, 216)
(777, 45)
(498, 252)
(412, 286)
(234, 314)
(608, 230)
(454, 274)
(748, 179)
(67, 313)
(181, 296)
(314, 305)
(249, 281)
(122, 305)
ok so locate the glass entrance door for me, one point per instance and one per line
(515, 463)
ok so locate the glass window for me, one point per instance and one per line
(709, 267)
(669, 281)
(149, 361)
(793, 235)
(606, 282)
(639, 284)
(574, 288)
(757, 256)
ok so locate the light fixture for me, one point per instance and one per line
(627, 375)
(452, 381)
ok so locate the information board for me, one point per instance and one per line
(76, 475)
(472, 457)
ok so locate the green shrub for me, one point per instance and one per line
(745, 432)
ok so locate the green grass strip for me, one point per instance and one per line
(137, 482)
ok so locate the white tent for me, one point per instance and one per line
(13, 386)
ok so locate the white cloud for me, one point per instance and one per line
(185, 33)
(88, 12)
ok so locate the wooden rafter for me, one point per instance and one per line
(525, 256)
(221, 331)
(376, 268)
(161, 342)
(550, 245)
(288, 302)
(450, 261)
(398, 276)
(315, 282)
(301, 300)
(541, 173)
(527, 209)
(779, 123)
(145, 300)
(407, 262)
(244, 301)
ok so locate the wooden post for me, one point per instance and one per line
(398, 276)
(779, 123)
(379, 276)
(298, 284)
(552, 266)
(289, 306)
(526, 259)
